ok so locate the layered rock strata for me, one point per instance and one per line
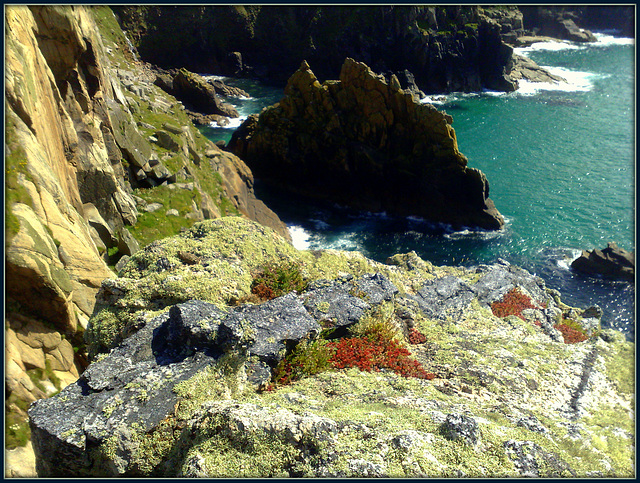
(89, 141)
(364, 142)
(178, 395)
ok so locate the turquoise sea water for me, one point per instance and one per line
(560, 160)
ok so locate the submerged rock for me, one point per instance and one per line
(178, 394)
(365, 142)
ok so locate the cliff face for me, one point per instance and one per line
(91, 144)
(365, 142)
(447, 48)
(466, 372)
(563, 21)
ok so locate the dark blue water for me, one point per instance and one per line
(561, 166)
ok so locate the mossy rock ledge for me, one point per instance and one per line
(180, 366)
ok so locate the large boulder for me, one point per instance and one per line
(365, 142)
(611, 262)
(181, 396)
(201, 96)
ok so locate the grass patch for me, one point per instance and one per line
(275, 280)
(154, 226)
(16, 424)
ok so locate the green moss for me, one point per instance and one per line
(112, 35)
(254, 456)
(16, 424)
(38, 376)
(223, 380)
(277, 279)
(378, 325)
(307, 359)
(619, 362)
(15, 167)
(104, 330)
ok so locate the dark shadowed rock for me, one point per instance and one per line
(611, 262)
(367, 143)
(195, 92)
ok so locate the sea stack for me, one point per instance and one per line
(364, 142)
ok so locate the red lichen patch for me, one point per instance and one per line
(368, 355)
(416, 337)
(571, 335)
(513, 303)
(263, 292)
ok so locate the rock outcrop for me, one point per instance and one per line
(364, 142)
(611, 262)
(89, 141)
(556, 22)
(180, 394)
(195, 92)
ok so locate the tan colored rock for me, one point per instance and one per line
(31, 358)
(19, 383)
(38, 336)
(20, 462)
(11, 350)
(67, 377)
(61, 358)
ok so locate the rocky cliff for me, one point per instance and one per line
(98, 159)
(569, 22)
(402, 369)
(365, 142)
(447, 48)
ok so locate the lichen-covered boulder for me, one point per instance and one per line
(365, 142)
(182, 395)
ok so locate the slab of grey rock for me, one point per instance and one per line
(344, 301)
(443, 297)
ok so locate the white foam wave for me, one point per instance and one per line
(576, 81)
(214, 77)
(299, 237)
(474, 234)
(488, 92)
(547, 45)
(566, 261)
(605, 39)
(234, 123)
(433, 100)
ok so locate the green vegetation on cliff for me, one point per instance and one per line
(519, 389)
